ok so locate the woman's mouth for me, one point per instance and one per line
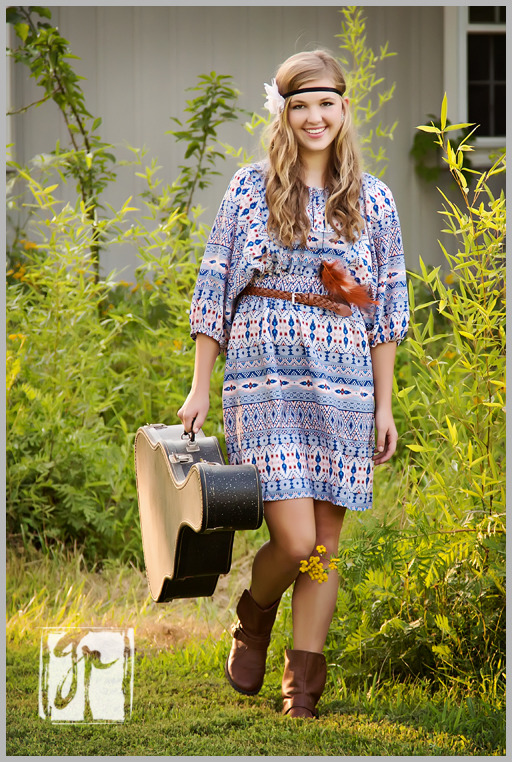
(315, 132)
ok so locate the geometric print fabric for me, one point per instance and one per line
(298, 392)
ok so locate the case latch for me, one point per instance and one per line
(180, 458)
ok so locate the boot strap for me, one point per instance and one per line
(259, 644)
(300, 699)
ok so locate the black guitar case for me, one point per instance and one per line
(190, 505)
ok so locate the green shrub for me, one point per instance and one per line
(427, 596)
(87, 364)
(90, 360)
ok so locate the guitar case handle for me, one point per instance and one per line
(192, 444)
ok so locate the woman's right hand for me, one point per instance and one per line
(195, 406)
(197, 403)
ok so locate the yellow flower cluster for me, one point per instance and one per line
(315, 568)
(28, 244)
(18, 273)
(126, 284)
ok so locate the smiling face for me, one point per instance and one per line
(316, 118)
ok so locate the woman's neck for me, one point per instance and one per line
(315, 167)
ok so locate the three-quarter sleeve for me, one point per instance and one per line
(208, 310)
(389, 320)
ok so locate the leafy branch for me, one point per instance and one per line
(215, 105)
(424, 146)
(360, 63)
(45, 52)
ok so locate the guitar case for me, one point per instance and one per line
(190, 505)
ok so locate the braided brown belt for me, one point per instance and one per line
(312, 300)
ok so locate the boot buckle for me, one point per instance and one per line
(236, 627)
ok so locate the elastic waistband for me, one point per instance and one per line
(311, 300)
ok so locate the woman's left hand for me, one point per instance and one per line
(387, 436)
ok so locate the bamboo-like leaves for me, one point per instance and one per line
(449, 553)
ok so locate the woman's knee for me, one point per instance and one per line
(329, 540)
(296, 548)
(292, 528)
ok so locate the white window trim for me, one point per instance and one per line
(456, 21)
(8, 88)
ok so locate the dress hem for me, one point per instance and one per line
(295, 495)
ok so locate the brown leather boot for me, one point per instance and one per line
(245, 665)
(304, 679)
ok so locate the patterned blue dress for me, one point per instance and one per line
(298, 394)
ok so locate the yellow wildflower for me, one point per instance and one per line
(450, 278)
(314, 566)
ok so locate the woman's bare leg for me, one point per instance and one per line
(292, 529)
(313, 604)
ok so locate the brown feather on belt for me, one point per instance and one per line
(339, 284)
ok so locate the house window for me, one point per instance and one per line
(486, 69)
(474, 74)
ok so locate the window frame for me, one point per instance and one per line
(456, 28)
(8, 90)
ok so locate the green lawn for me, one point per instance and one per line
(185, 710)
(182, 704)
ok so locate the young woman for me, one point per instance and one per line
(303, 287)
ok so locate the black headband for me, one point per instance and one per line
(314, 90)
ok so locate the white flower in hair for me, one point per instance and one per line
(275, 101)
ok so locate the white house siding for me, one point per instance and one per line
(138, 61)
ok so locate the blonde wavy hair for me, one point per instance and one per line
(286, 192)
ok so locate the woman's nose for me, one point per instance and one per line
(314, 115)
